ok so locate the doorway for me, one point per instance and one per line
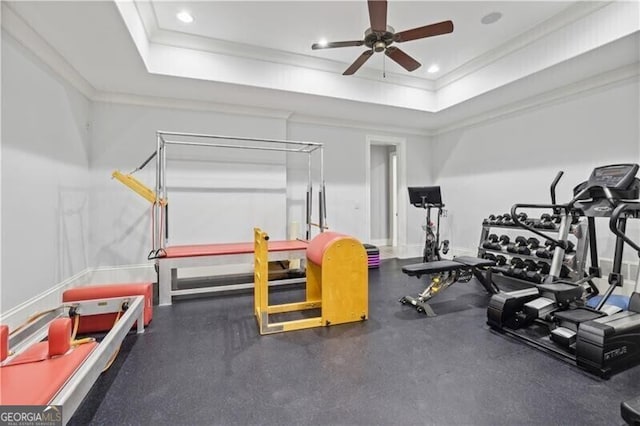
(385, 206)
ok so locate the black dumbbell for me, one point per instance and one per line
(556, 218)
(506, 220)
(489, 256)
(517, 268)
(532, 272)
(521, 246)
(492, 243)
(501, 260)
(544, 253)
(533, 243)
(491, 220)
(544, 267)
(546, 222)
(522, 216)
(504, 240)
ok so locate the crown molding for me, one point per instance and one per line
(22, 33)
(336, 122)
(187, 104)
(162, 36)
(625, 74)
(573, 13)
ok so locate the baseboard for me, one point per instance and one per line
(53, 296)
(382, 242)
(46, 300)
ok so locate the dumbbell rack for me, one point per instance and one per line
(575, 261)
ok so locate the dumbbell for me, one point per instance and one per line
(489, 256)
(547, 252)
(491, 220)
(504, 240)
(517, 268)
(546, 222)
(506, 220)
(532, 272)
(501, 260)
(492, 243)
(508, 270)
(544, 267)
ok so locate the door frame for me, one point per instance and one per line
(400, 145)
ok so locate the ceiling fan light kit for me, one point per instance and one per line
(380, 37)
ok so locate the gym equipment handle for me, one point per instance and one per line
(553, 187)
(514, 217)
(613, 222)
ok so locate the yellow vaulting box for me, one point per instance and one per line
(337, 283)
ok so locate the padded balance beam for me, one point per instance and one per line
(189, 256)
(337, 283)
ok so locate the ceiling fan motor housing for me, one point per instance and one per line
(378, 41)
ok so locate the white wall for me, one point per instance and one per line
(45, 185)
(345, 174)
(215, 195)
(379, 192)
(487, 168)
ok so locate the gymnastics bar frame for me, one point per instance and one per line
(71, 395)
(164, 138)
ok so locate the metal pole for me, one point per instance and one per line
(322, 206)
(237, 138)
(309, 197)
(221, 145)
(164, 194)
(156, 206)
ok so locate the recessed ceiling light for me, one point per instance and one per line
(491, 18)
(433, 69)
(323, 42)
(185, 17)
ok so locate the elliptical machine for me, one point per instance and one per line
(553, 316)
(428, 197)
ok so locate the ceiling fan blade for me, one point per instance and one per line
(378, 15)
(358, 62)
(440, 28)
(331, 45)
(404, 60)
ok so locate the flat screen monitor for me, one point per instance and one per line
(431, 196)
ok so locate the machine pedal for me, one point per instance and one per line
(563, 336)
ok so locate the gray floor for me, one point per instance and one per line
(203, 362)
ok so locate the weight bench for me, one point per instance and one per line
(446, 272)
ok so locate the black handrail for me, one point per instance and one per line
(514, 217)
(615, 217)
(553, 187)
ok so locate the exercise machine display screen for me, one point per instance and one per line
(617, 176)
(420, 196)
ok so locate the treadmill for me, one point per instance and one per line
(630, 409)
(553, 316)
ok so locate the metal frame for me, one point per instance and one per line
(164, 138)
(168, 273)
(70, 396)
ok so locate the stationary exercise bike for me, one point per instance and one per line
(428, 197)
(442, 273)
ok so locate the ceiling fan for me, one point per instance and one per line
(380, 37)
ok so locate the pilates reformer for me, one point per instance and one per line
(169, 259)
(445, 273)
(61, 370)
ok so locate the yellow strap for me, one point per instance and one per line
(115, 354)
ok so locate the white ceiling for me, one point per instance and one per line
(291, 26)
(132, 52)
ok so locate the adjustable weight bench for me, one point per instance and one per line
(443, 274)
